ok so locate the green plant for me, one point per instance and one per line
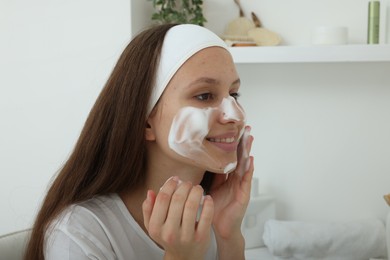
(178, 11)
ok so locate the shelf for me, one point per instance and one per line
(311, 54)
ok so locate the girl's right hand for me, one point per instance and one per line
(170, 217)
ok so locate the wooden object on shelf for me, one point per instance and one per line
(243, 44)
(239, 27)
(262, 36)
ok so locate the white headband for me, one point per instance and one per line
(180, 43)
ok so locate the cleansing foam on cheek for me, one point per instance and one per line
(188, 133)
(190, 128)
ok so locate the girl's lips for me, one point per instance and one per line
(227, 143)
(227, 147)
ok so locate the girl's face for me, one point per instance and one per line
(198, 120)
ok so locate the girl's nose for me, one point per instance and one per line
(231, 111)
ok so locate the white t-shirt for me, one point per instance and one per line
(103, 228)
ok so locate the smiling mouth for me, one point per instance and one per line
(226, 144)
(221, 140)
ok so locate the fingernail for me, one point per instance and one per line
(202, 200)
(248, 164)
(175, 178)
(248, 129)
(207, 197)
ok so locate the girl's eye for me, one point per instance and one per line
(235, 95)
(204, 97)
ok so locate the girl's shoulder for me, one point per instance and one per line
(83, 229)
(100, 227)
(91, 213)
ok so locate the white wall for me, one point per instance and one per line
(322, 137)
(55, 58)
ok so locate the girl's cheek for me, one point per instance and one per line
(190, 128)
(189, 125)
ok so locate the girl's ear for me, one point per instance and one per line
(149, 132)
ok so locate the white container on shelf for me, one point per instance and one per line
(330, 35)
(260, 209)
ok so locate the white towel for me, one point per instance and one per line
(342, 241)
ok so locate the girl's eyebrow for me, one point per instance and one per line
(210, 81)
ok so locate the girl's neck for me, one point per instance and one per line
(133, 202)
(158, 174)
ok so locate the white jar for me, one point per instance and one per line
(330, 35)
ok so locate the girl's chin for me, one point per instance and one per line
(207, 163)
(222, 169)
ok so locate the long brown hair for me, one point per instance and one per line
(110, 154)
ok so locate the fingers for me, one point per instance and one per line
(173, 212)
(249, 143)
(162, 203)
(147, 207)
(206, 216)
(246, 180)
(249, 166)
(178, 203)
(251, 169)
(170, 218)
(243, 152)
(191, 208)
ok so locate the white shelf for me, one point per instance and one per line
(311, 54)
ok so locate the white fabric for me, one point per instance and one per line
(102, 228)
(359, 240)
(13, 245)
(180, 43)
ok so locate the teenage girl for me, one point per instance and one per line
(161, 169)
